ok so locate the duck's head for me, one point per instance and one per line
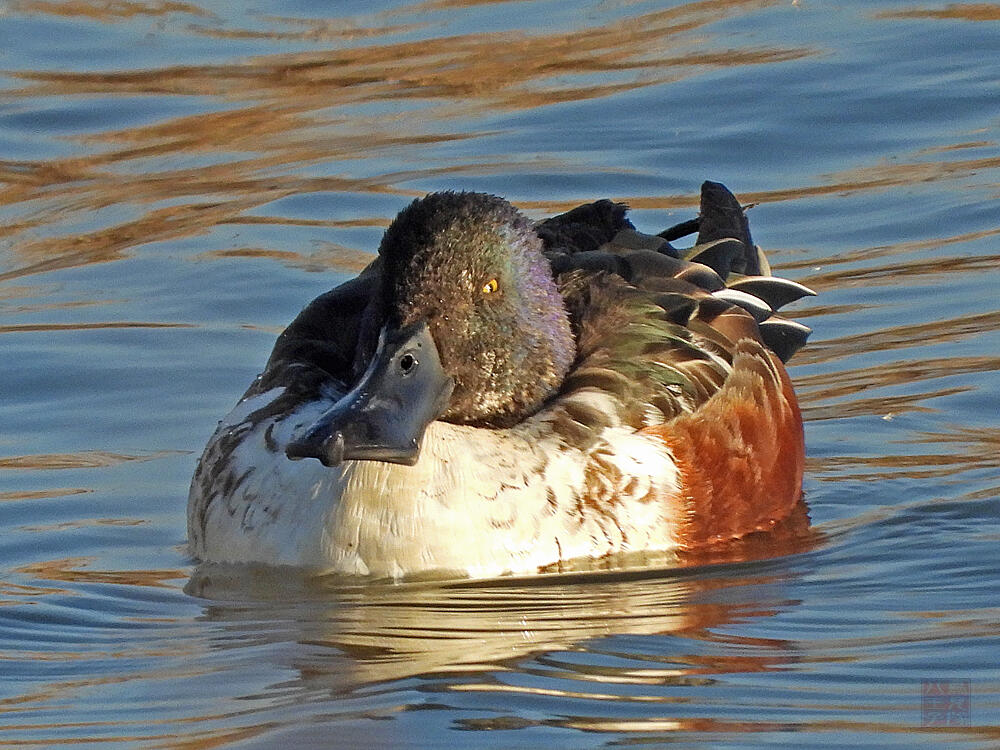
(475, 332)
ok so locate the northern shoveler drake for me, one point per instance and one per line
(494, 396)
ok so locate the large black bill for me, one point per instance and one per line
(384, 416)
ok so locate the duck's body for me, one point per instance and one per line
(467, 423)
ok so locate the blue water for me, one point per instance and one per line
(177, 180)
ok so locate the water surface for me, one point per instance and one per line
(178, 179)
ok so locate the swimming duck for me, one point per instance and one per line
(492, 396)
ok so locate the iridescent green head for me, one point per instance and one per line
(471, 266)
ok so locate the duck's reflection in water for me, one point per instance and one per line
(343, 635)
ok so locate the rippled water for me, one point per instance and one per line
(178, 179)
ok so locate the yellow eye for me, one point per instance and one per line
(490, 287)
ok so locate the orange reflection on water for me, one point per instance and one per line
(106, 10)
(886, 407)
(292, 113)
(897, 273)
(978, 448)
(24, 592)
(82, 523)
(900, 337)
(74, 569)
(43, 494)
(960, 11)
(857, 255)
(839, 387)
(829, 385)
(106, 325)
(873, 178)
(331, 256)
(88, 459)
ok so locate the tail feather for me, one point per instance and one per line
(774, 291)
(720, 255)
(784, 337)
(722, 217)
(724, 244)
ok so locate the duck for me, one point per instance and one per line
(495, 396)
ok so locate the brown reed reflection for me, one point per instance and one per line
(329, 257)
(43, 494)
(818, 311)
(886, 407)
(76, 569)
(108, 10)
(291, 120)
(899, 273)
(291, 115)
(834, 385)
(103, 325)
(874, 178)
(877, 252)
(900, 337)
(82, 523)
(960, 11)
(22, 593)
(975, 449)
(88, 459)
(63, 692)
(840, 387)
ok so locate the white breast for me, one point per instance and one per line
(478, 502)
